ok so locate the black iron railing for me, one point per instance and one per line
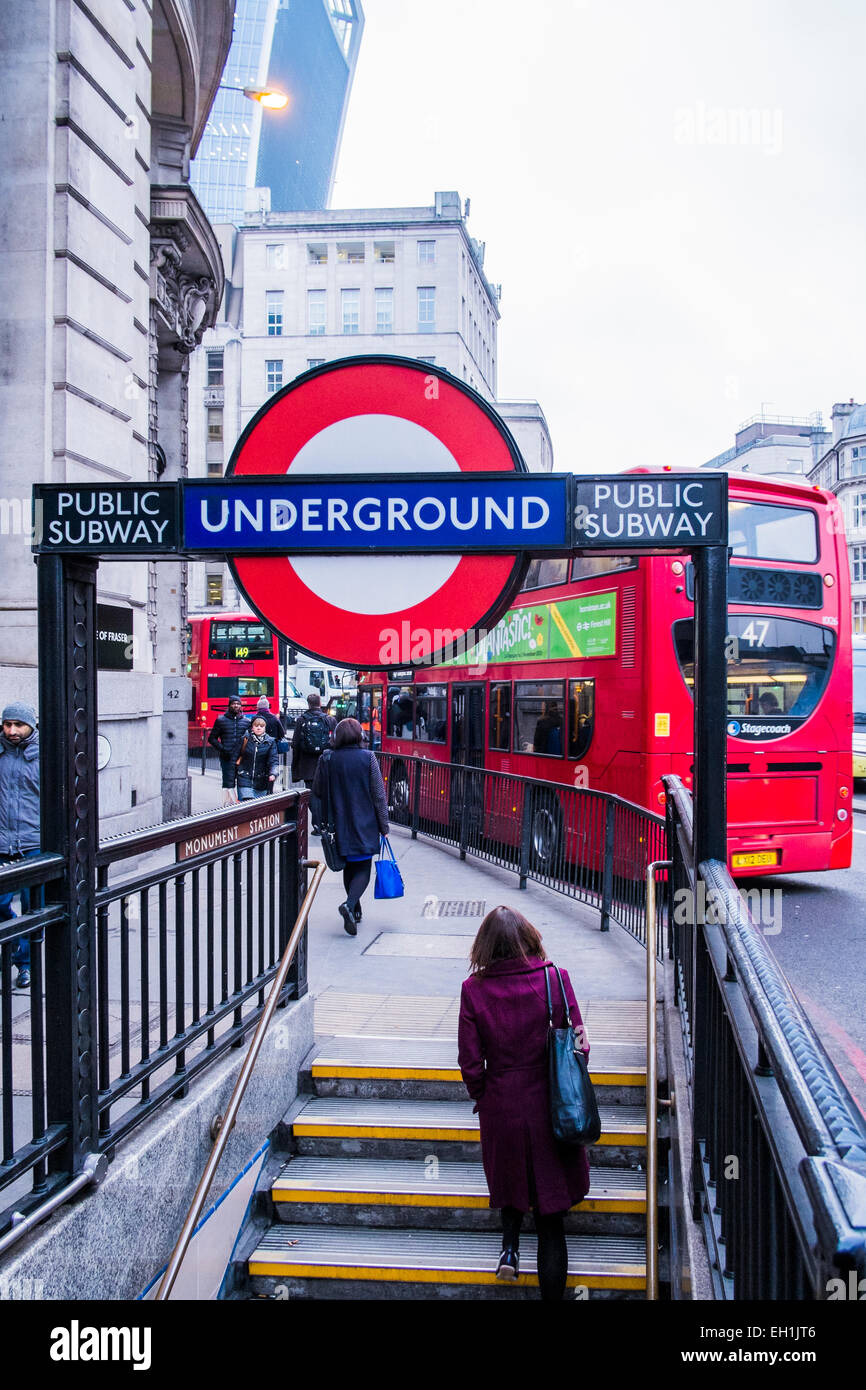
(30, 1035)
(192, 919)
(592, 846)
(779, 1163)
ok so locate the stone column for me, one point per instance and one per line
(185, 287)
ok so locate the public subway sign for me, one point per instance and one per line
(126, 520)
(401, 514)
(646, 512)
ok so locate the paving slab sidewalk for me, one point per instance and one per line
(410, 956)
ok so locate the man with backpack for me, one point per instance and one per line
(311, 737)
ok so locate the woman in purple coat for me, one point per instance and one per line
(502, 1053)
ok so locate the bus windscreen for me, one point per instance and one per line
(776, 666)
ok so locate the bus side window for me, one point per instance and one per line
(500, 716)
(581, 717)
(401, 711)
(538, 710)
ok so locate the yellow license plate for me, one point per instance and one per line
(752, 861)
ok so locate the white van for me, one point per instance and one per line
(310, 674)
(293, 703)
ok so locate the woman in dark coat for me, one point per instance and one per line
(502, 1052)
(348, 781)
(257, 764)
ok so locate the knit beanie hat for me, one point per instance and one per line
(263, 703)
(23, 713)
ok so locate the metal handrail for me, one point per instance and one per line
(192, 1217)
(652, 1255)
(93, 1173)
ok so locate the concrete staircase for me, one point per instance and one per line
(384, 1195)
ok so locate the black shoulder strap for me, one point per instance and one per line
(547, 966)
(325, 793)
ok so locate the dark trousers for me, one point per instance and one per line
(21, 954)
(552, 1249)
(356, 876)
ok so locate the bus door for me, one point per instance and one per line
(467, 749)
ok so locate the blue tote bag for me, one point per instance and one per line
(389, 882)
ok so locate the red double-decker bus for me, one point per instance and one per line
(229, 654)
(588, 681)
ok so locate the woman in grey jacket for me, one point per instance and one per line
(348, 780)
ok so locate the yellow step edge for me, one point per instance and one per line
(326, 1071)
(424, 1199)
(325, 1131)
(315, 1130)
(636, 1279)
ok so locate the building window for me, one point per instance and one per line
(315, 362)
(350, 301)
(426, 309)
(426, 253)
(214, 426)
(274, 372)
(316, 312)
(859, 617)
(214, 468)
(384, 311)
(383, 252)
(277, 256)
(858, 510)
(215, 368)
(214, 597)
(274, 300)
(350, 253)
(858, 563)
(317, 255)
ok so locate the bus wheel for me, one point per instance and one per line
(398, 794)
(546, 835)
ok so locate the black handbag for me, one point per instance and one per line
(333, 857)
(573, 1108)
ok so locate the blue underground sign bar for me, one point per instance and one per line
(480, 513)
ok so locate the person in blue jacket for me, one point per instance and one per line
(19, 810)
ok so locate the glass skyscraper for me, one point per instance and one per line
(308, 49)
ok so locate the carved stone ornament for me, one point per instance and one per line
(184, 302)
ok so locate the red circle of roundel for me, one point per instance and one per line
(409, 390)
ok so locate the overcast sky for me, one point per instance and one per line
(671, 194)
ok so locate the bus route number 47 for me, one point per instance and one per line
(755, 633)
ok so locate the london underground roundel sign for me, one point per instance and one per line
(374, 416)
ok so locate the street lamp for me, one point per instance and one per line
(268, 97)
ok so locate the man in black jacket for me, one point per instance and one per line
(226, 737)
(311, 737)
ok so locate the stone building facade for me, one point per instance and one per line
(842, 469)
(110, 274)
